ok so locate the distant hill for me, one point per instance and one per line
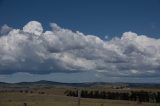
(52, 83)
(86, 84)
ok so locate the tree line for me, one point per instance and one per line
(139, 96)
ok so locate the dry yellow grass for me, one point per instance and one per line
(35, 99)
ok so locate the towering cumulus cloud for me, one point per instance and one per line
(35, 51)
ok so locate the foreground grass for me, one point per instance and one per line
(72, 104)
(17, 99)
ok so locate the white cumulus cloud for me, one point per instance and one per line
(33, 50)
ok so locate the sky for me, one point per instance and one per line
(80, 40)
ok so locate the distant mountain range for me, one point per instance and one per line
(86, 84)
(52, 83)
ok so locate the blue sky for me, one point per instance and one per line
(129, 54)
(105, 17)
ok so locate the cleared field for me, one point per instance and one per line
(48, 95)
(19, 99)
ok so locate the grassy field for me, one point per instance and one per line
(55, 100)
(56, 97)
